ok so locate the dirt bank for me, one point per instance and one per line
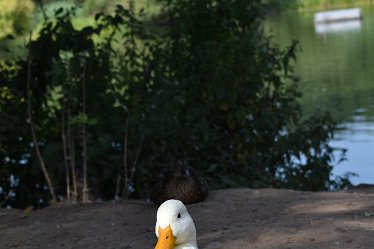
(232, 218)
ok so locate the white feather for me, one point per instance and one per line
(183, 228)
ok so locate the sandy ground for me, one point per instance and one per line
(230, 219)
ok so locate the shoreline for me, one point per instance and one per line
(282, 8)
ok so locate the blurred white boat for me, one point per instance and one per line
(337, 15)
(332, 27)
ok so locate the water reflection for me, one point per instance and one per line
(359, 137)
(336, 76)
(342, 26)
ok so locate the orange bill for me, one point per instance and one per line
(166, 239)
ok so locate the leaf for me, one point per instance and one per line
(92, 121)
(10, 37)
(79, 119)
(59, 11)
(98, 16)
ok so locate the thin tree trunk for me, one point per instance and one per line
(33, 133)
(136, 161)
(118, 187)
(64, 145)
(65, 113)
(84, 138)
(73, 169)
(125, 170)
(71, 145)
(133, 170)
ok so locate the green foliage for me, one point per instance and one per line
(201, 81)
(15, 16)
(234, 106)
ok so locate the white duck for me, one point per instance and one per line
(174, 227)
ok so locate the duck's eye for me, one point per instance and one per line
(179, 215)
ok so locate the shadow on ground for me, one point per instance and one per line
(232, 218)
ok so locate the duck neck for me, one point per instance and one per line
(188, 245)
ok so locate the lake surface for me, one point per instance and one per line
(336, 69)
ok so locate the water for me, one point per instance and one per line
(337, 75)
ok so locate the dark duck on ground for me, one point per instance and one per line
(182, 183)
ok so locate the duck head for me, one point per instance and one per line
(174, 227)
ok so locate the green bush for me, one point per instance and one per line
(232, 100)
(200, 82)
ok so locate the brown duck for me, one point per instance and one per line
(183, 183)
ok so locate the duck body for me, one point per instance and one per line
(175, 228)
(184, 183)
